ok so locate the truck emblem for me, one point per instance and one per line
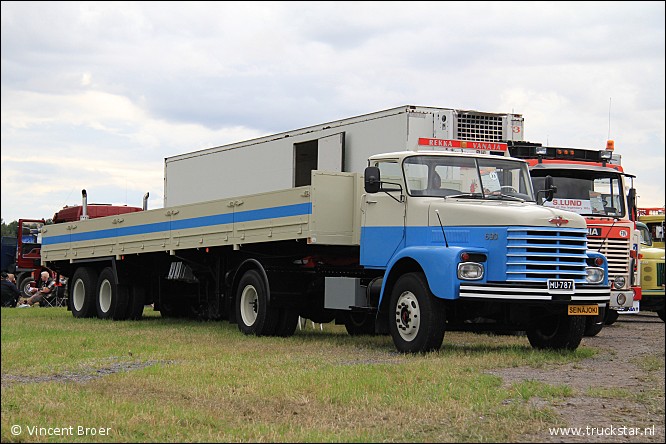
(559, 220)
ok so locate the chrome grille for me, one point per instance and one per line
(616, 252)
(539, 254)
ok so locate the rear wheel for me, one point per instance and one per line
(82, 292)
(557, 332)
(416, 316)
(24, 285)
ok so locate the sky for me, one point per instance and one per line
(95, 95)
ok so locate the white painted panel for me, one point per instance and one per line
(329, 153)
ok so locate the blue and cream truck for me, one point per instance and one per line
(409, 222)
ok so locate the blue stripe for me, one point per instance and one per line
(195, 222)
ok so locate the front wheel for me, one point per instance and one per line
(660, 313)
(416, 316)
(611, 317)
(594, 324)
(24, 286)
(557, 332)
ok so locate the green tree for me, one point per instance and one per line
(10, 229)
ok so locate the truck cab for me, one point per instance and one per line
(468, 224)
(652, 272)
(593, 184)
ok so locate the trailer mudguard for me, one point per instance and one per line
(440, 266)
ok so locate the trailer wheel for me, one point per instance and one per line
(253, 313)
(557, 332)
(358, 324)
(112, 298)
(416, 316)
(82, 292)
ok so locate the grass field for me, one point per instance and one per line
(80, 380)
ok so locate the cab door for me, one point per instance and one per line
(383, 219)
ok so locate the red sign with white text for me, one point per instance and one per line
(463, 144)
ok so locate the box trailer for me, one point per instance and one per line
(284, 160)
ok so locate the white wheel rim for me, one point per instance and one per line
(105, 296)
(407, 316)
(248, 305)
(78, 295)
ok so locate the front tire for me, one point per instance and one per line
(557, 332)
(253, 312)
(611, 317)
(416, 316)
(660, 313)
(82, 292)
(594, 324)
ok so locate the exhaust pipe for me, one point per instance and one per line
(145, 201)
(84, 214)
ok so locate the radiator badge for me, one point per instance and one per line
(559, 220)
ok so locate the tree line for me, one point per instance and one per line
(10, 229)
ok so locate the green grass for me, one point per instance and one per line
(180, 380)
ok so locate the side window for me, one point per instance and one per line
(389, 171)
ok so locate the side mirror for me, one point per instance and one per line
(549, 192)
(631, 203)
(372, 180)
(550, 189)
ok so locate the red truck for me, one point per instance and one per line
(28, 263)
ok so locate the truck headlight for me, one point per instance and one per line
(470, 271)
(619, 282)
(595, 275)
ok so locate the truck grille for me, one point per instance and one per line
(660, 274)
(483, 127)
(616, 252)
(541, 254)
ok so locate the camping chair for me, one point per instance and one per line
(57, 298)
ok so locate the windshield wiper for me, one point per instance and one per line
(467, 195)
(505, 196)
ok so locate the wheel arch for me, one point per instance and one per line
(243, 267)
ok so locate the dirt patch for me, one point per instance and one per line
(84, 374)
(618, 395)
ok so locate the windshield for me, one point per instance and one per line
(646, 239)
(588, 193)
(468, 177)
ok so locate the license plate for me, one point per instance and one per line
(583, 310)
(561, 286)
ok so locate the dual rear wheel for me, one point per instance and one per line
(94, 294)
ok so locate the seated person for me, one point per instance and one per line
(44, 287)
(10, 293)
